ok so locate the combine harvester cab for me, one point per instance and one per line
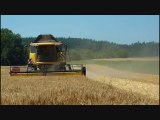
(47, 57)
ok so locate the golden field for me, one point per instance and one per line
(65, 90)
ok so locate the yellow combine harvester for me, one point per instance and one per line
(47, 57)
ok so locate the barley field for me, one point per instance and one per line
(65, 90)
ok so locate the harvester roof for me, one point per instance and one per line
(45, 38)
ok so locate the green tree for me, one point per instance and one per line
(12, 52)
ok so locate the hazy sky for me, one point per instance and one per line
(123, 29)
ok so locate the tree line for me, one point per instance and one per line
(13, 48)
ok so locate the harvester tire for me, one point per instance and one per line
(84, 71)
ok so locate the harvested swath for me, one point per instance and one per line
(101, 71)
(64, 91)
(145, 84)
